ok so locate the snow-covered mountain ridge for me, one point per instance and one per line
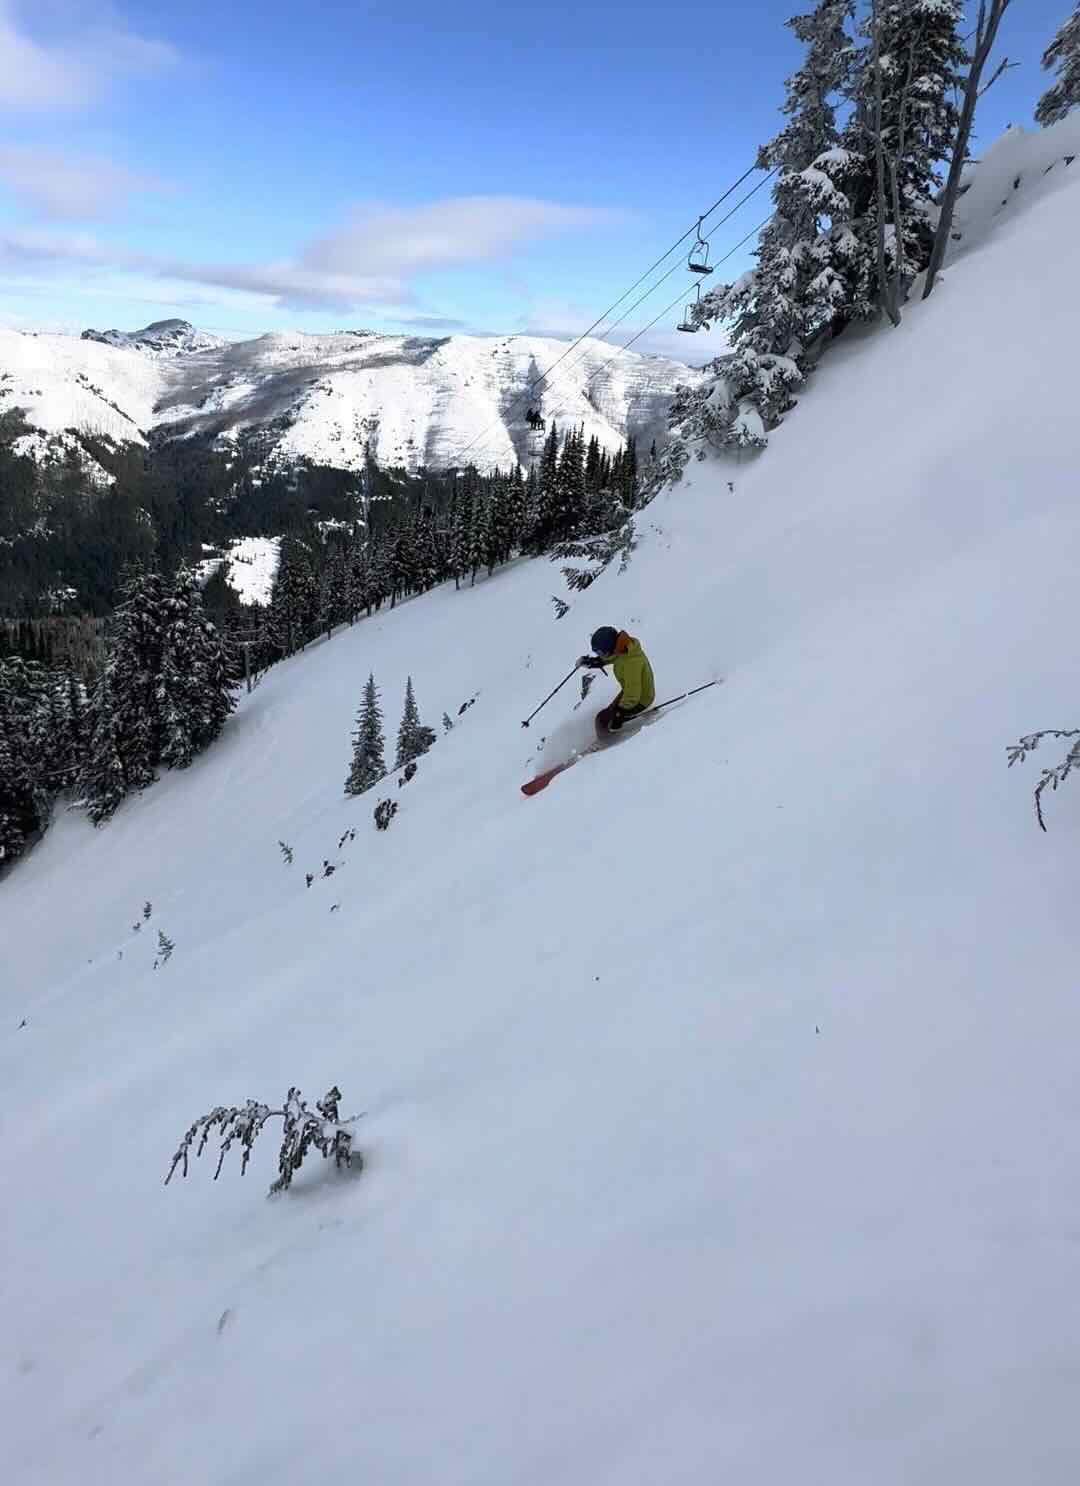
(164, 338)
(416, 402)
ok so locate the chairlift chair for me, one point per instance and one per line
(698, 260)
(688, 322)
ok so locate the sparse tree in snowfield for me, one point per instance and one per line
(368, 762)
(1063, 53)
(414, 739)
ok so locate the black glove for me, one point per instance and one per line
(591, 662)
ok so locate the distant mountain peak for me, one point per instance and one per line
(163, 339)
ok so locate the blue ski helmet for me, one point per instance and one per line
(604, 640)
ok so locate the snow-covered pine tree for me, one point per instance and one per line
(103, 782)
(368, 761)
(195, 687)
(461, 524)
(414, 739)
(628, 482)
(430, 560)
(333, 590)
(294, 602)
(562, 492)
(778, 308)
(1063, 53)
(125, 739)
(922, 64)
(519, 508)
(381, 569)
(547, 492)
(75, 724)
(502, 523)
(357, 580)
(25, 792)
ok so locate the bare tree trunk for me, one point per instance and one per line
(985, 36)
(894, 175)
(884, 286)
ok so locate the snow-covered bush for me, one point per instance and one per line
(384, 813)
(303, 1130)
(1018, 752)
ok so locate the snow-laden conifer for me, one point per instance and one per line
(1063, 54)
(368, 762)
(414, 739)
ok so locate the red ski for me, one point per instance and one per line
(534, 786)
(542, 781)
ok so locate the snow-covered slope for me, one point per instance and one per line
(329, 397)
(62, 382)
(721, 1113)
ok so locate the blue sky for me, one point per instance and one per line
(426, 166)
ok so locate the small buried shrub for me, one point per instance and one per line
(303, 1129)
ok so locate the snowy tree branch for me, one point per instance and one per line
(303, 1129)
(1051, 778)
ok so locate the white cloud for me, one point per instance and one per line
(36, 74)
(369, 260)
(461, 229)
(69, 188)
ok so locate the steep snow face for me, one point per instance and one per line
(415, 402)
(62, 383)
(164, 338)
(720, 1103)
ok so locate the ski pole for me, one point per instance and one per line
(683, 696)
(546, 700)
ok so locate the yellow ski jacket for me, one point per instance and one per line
(633, 673)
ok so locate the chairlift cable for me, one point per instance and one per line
(663, 279)
(668, 308)
(526, 395)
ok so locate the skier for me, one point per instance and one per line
(620, 651)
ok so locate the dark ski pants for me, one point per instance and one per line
(603, 719)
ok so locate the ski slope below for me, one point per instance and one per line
(720, 1103)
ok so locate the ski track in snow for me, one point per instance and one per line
(720, 1103)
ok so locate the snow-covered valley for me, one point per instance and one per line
(720, 1109)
